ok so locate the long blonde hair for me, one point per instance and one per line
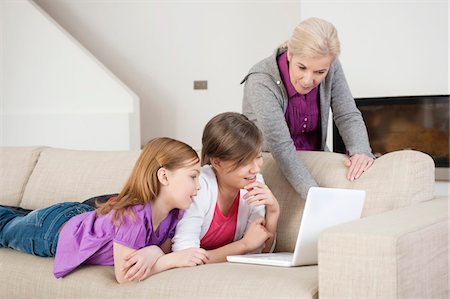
(231, 136)
(143, 185)
(314, 37)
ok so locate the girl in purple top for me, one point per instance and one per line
(132, 232)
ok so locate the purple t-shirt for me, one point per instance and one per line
(302, 113)
(88, 238)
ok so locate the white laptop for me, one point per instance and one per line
(324, 207)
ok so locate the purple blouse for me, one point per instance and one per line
(302, 113)
(88, 238)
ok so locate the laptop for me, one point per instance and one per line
(324, 208)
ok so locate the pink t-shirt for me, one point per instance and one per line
(88, 238)
(222, 229)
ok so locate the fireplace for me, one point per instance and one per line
(413, 122)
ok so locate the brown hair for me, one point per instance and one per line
(143, 185)
(231, 136)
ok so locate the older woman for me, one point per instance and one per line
(288, 95)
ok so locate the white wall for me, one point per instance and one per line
(158, 48)
(56, 93)
(390, 48)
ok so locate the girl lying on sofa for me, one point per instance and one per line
(140, 221)
(234, 212)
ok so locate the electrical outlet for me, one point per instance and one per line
(201, 84)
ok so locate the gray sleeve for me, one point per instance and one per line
(262, 100)
(346, 115)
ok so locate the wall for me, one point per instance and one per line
(390, 48)
(54, 92)
(158, 48)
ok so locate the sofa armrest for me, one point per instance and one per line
(402, 253)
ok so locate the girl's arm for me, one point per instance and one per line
(271, 226)
(137, 265)
(259, 194)
(183, 258)
(254, 238)
(131, 264)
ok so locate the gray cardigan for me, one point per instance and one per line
(265, 103)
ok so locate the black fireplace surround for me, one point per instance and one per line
(407, 122)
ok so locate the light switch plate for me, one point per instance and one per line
(201, 84)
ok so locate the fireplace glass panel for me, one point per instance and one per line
(395, 123)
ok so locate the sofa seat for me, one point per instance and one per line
(237, 281)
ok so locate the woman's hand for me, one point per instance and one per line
(189, 257)
(138, 264)
(357, 164)
(255, 235)
(259, 194)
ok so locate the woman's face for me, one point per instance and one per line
(307, 72)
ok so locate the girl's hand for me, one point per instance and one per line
(255, 235)
(139, 263)
(189, 257)
(357, 164)
(259, 194)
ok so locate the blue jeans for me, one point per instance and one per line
(37, 232)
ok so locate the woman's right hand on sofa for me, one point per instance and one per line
(255, 235)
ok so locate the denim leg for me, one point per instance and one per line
(6, 215)
(17, 209)
(15, 230)
(37, 232)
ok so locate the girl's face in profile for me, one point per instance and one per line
(183, 185)
(307, 72)
(238, 177)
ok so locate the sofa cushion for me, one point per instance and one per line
(76, 175)
(395, 180)
(405, 251)
(27, 276)
(17, 163)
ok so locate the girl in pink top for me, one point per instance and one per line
(132, 232)
(234, 211)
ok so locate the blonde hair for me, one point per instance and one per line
(231, 136)
(143, 185)
(314, 37)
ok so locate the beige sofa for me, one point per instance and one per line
(399, 249)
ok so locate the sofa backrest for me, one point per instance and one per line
(76, 175)
(395, 180)
(16, 165)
